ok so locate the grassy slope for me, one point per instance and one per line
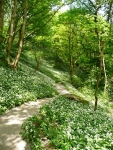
(17, 87)
(68, 125)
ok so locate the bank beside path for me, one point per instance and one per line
(11, 121)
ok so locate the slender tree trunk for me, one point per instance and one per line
(98, 81)
(38, 60)
(109, 19)
(1, 19)
(97, 32)
(70, 59)
(109, 16)
(21, 37)
(56, 57)
(105, 76)
(71, 71)
(11, 30)
(101, 50)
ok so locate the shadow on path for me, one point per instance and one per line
(11, 121)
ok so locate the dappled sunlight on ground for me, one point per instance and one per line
(58, 74)
(11, 121)
(61, 89)
(10, 138)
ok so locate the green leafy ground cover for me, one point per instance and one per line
(69, 126)
(55, 74)
(17, 87)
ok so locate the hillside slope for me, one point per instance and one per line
(25, 84)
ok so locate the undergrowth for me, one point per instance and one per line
(69, 126)
(17, 87)
(55, 74)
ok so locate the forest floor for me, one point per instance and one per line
(11, 121)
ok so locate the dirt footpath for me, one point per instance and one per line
(10, 125)
(11, 121)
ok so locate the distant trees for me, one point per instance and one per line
(102, 32)
(82, 35)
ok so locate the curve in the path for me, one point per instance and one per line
(11, 121)
(10, 125)
(61, 89)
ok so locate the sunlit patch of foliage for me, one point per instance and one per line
(70, 126)
(17, 87)
(55, 74)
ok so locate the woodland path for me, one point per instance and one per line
(11, 121)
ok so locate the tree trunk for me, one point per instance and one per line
(97, 32)
(1, 19)
(101, 50)
(71, 71)
(98, 81)
(105, 76)
(21, 37)
(56, 57)
(11, 31)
